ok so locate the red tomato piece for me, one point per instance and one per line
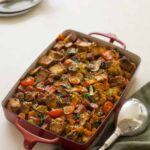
(56, 113)
(75, 101)
(29, 81)
(108, 105)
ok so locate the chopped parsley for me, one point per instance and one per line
(100, 113)
(109, 93)
(76, 116)
(62, 95)
(89, 97)
(41, 116)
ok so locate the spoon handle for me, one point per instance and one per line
(111, 139)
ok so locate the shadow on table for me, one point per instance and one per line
(42, 8)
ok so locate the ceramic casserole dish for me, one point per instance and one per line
(34, 134)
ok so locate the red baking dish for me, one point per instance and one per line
(33, 134)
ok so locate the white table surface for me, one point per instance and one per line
(24, 37)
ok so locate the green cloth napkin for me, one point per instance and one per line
(138, 142)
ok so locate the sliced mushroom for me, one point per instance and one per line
(51, 57)
(117, 81)
(79, 89)
(96, 64)
(49, 81)
(57, 69)
(101, 76)
(30, 96)
(45, 61)
(67, 45)
(19, 95)
(41, 75)
(90, 66)
(126, 64)
(71, 37)
(34, 71)
(105, 65)
(55, 55)
(54, 76)
(71, 65)
(13, 105)
(82, 43)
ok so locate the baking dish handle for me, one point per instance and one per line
(111, 36)
(31, 139)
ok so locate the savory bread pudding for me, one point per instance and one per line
(72, 88)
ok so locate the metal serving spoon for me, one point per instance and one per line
(132, 119)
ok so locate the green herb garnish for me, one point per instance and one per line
(109, 93)
(76, 60)
(100, 113)
(62, 95)
(76, 116)
(41, 116)
(89, 97)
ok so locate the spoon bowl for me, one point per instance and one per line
(132, 119)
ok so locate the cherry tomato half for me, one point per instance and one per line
(56, 113)
(28, 81)
(107, 106)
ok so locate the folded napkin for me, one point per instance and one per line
(138, 142)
